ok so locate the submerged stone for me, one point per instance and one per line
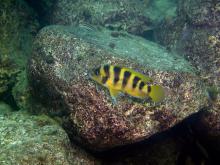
(26, 139)
(195, 33)
(89, 117)
(200, 13)
(4, 108)
(135, 17)
(18, 27)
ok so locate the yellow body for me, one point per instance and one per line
(126, 80)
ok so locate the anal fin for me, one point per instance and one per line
(114, 93)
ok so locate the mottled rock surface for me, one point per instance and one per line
(193, 141)
(136, 17)
(4, 108)
(199, 12)
(58, 72)
(195, 32)
(18, 25)
(26, 139)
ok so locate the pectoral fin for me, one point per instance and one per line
(114, 93)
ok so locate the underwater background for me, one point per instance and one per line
(53, 113)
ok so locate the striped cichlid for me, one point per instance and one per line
(119, 79)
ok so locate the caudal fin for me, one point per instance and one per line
(156, 93)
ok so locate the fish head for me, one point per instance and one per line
(155, 92)
(96, 75)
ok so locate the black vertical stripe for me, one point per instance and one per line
(135, 81)
(97, 71)
(148, 88)
(106, 70)
(126, 77)
(104, 79)
(141, 85)
(117, 71)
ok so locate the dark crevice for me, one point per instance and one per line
(8, 98)
(149, 35)
(7, 95)
(42, 8)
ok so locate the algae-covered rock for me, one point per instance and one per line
(18, 25)
(200, 13)
(4, 108)
(26, 139)
(199, 45)
(136, 17)
(58, 71)
(8, 73)
(21, 91)
(195, 32)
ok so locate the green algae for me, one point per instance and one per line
(15, 30)
(161, 9)
(7, 73)
(17, 27)
(4, 108)
(21, 91)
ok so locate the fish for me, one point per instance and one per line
(125, 80)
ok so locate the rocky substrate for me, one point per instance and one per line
(27, 139)
(184, 128)
(135, 17)
(195, 33)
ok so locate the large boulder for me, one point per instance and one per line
(27, 139)
(58, 72)
(4, 108)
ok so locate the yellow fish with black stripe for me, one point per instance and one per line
(118, 79)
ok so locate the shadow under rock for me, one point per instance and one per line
(179, 145)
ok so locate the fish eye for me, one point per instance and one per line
(97, 71)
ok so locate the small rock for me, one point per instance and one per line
(4, 108)
(26, 139)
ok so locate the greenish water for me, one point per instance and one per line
(44, 43)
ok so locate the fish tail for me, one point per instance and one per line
(156, 93)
